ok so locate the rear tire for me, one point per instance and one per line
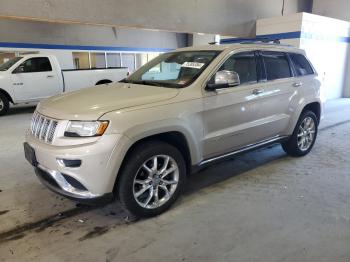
(4, 104)
(304, 136)
(151, 179)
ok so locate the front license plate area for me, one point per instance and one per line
(29, 154)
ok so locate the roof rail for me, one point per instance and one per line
(266, 41)
(263, 40)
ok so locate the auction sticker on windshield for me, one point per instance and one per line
(193, 65)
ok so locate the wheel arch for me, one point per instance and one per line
(314, 107)
(2, 91)
(175, 138)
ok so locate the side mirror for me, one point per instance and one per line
(19, 69)
(224, 79)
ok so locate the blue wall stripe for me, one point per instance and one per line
(289, 35)
(320, 36)
(82, 47)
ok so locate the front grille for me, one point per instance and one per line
(43, 128)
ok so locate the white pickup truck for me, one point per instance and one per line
(30, 78)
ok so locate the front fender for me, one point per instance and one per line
(164, 126)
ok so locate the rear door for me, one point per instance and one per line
(272, 99)
(35, 79)
(303, 71)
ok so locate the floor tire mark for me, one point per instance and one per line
(42, 224)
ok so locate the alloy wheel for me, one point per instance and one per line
(306, 133)
(156, 181)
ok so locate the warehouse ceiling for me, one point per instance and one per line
(226, 17)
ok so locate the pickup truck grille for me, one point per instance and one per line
(43, 128)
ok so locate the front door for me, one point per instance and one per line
(35, 79)
(230, 115)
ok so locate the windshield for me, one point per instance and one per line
(5, 66)
(177, 69)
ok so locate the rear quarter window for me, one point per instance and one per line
(301, 65)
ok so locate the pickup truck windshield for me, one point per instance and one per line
(177, 69)
(5, 66)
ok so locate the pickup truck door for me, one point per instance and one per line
(35, 79)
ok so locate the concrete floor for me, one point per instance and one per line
(261, 206)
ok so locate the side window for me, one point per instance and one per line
(301, 65)
(244, 64)
(276, 65)
(36, 64)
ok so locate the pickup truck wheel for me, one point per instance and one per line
(4, 104)
(304, 135)
(152, 179)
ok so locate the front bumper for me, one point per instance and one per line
(93, 181)
(58, 184)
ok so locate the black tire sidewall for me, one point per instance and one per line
(132, 164)
(291, 146)
(6, 103)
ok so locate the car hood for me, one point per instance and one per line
(92, 103)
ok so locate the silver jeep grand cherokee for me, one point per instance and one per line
(137, 140)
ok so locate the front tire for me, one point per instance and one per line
(304, 136)
(4, 104)
(152, 179)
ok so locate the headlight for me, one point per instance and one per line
(86, 128)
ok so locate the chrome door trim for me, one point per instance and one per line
(262, 143)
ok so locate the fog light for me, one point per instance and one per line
(69, 162)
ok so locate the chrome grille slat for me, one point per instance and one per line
(33, 122)
(40, 125)
(43, 128)
(52, 132)
(48, 130)
(36, 119)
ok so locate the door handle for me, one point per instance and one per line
(50, 76)
(297, 84)
(257, 91)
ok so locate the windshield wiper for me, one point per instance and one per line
(151, 83)
(144, 82)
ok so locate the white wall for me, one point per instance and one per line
(337, 9)
(203, 39)
(321, 40)
(325, 42)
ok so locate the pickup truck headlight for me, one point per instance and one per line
(86, 128)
